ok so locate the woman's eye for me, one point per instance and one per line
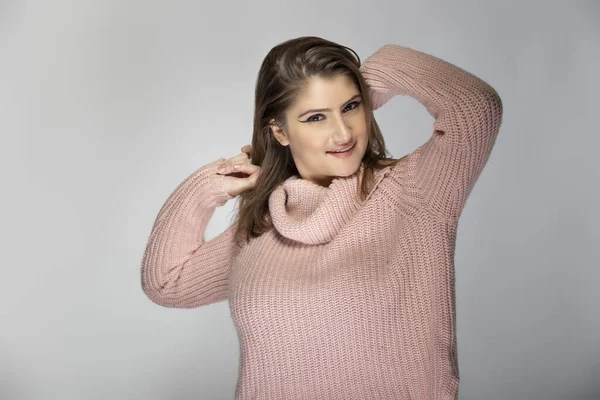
(311, 119)
(357, 103)
(354, 105)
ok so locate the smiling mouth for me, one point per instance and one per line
(337, 152)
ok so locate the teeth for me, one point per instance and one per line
(341, 151)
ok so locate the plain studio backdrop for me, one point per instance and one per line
(106, 106)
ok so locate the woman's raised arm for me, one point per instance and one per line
(180, 270)
(467, 116)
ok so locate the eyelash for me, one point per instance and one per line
(354, 102)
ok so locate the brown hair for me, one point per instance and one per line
(282, 73)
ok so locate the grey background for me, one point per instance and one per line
(105, 106)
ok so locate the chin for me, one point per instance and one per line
(350, 168)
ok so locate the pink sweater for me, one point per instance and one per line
(343, 300)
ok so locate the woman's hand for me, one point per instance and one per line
(240, 173)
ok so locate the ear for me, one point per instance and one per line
(279, 133)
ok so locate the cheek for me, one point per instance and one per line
(310, 144)
(360, 125)
(360, 118)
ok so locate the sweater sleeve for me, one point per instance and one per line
(467, 116)
(180, 270)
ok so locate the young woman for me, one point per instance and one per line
(339, 267)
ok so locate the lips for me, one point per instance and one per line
(338, 152)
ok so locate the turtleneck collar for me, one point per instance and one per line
(309, 213)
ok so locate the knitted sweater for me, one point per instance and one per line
(343, 299)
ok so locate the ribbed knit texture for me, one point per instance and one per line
(343, 299)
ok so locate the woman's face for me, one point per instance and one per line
(327, 115)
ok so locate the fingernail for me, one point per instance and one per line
(236, 166)
(220, 169)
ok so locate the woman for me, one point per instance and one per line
(339, 269)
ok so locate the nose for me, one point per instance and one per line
(343, 132)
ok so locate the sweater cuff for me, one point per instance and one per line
(216, 188)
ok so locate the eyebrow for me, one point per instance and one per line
(328, 109)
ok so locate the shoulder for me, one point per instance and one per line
(390, 162)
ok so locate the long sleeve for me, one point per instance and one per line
(180, 270)
(467, 117)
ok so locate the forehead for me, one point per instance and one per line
(325, 92)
